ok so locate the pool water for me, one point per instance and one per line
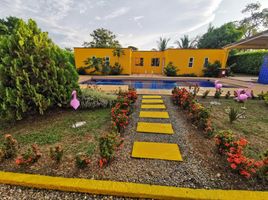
(152, 84)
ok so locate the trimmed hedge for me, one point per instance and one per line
(247, 62)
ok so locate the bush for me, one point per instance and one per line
(10, 147)
(213, 69)
(116, 69)
(81, 71)
(170, 70)
(93, 98)
(247, 62)
(56, 153)
(265, 97)
(35, 74)
(31, 156)
(106, 69)
(234, 114)
(82, 160)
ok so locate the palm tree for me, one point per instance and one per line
(162, 44)
(118, 51)
(185, 43)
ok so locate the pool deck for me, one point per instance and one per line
(238, 82)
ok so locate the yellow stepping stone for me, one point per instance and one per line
(156, 106)
(151, 97)
(154, 114)
(147, 127)
(154, 150)
(152, 101)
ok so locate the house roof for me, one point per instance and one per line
(258, 41)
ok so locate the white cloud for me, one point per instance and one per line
(117, 13)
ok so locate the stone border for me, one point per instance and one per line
(124, 189)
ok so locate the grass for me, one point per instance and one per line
(254, 127)
(55, 127)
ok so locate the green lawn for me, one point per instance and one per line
(254, 127)
(55, 127)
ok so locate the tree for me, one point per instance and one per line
(162, 44)
(133, 48)
(257, 19)
(34, 73)
(219, 37)
(8, 25)
(185, 43)
(213, 69)
(118, 52)
(102, 38)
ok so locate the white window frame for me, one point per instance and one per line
(191, 62)
(204, 65)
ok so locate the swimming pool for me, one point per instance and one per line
(152, 84)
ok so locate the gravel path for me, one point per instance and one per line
(202, 167)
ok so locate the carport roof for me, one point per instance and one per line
(258, 41)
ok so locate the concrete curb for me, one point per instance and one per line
(124, 189)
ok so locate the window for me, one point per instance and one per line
(155, 62)
(107, 60)
(206, 62)
(139, 61)
(191, 62)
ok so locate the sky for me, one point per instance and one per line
(138, 23)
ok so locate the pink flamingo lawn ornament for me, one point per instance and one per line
(75, 103)
(243, 95)
(218, 85)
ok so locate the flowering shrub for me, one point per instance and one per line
(82, 160)
(10, 147)
(32, 155)
(56, 153)
(199, 115)
(247, 167)
(108, 145)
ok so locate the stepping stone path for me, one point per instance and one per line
(155, 150)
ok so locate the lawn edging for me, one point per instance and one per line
(125, 189)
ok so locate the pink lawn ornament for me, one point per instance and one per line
(74, 102)
(218, 86)
(242, 97)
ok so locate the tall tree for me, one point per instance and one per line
(219, 37)
(102, 38)
(186, 43)
(256, 21)
(118, 52)
(35, 74)
(162, 44)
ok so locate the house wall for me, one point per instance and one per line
(179, 58)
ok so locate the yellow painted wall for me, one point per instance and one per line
(179, 57)
(147, 68)
(81, 54)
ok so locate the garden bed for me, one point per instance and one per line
(202, 167)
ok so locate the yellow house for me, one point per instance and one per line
(188, 61)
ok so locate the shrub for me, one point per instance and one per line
(82, 160)
(108, 144)
(217, 94)
(32, 155)
(212, 69)
(116, 69)
(93, 98)
(10, 147)
(106, 69)
(205, 94)
(170, 70)
(35, 73)
(81, 71)
(224, 139)
(228, 95)
(56, 153)
(248, 62)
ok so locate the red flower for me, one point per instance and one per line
(233, 166)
